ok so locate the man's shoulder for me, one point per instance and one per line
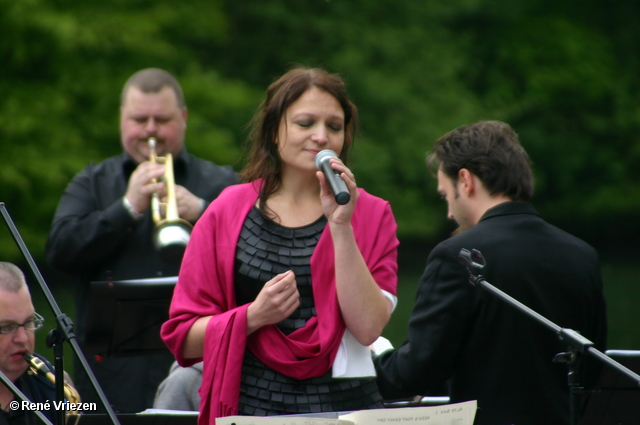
(502, 231)
(573, 242)
(481, 235)
(106, 166)
(209, 169)
(451, 246)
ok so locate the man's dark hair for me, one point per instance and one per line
(490, 150)
(152, 80)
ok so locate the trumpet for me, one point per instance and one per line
(36, 365)
(171, 233)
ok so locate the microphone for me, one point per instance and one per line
(337, 185)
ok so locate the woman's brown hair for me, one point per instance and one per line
(264, 160)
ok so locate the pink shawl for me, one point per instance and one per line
(205, 287)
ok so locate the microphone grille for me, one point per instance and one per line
(324, 155)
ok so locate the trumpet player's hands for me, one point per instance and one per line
(141, 186)
(189, 206)
(276, 301)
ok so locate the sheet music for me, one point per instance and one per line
(278, 420)
(153, 411)
(447, 414)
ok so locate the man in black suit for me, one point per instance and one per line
(485, 349)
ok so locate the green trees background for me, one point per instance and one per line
(563, 74)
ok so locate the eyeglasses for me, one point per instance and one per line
(29, 325)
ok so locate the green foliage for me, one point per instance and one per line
(64, 66)
(564, 74)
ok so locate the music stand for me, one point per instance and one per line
(125, 317)
(616, 398)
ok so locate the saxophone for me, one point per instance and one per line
(38, 366)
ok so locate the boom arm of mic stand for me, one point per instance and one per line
(64, 330)
(474, 261)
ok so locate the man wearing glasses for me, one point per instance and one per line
(18, 322)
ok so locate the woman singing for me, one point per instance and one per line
(281, 289)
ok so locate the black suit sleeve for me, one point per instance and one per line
(84, 232)
(436, 329)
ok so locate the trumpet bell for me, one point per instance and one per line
(170, 239)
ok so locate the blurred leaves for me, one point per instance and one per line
(564, 74)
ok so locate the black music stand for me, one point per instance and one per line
(124, 317)
(63, 333)
(616, 398)
(578, 344)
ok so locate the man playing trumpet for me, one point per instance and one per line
(103, 227)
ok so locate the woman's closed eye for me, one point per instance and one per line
(304, 123)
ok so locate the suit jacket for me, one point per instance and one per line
(488, 350)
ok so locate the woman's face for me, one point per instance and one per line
(315, 121)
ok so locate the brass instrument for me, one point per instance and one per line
(36, 365)
(171, 233)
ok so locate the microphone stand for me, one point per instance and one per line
(578, 345)
(23, 397)
(63, 332)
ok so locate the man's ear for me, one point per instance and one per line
(466, 182)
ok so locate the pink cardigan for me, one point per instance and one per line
(206, 287)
